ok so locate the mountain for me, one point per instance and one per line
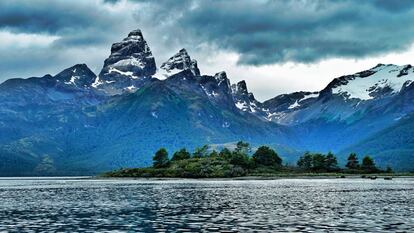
(129, 66)
(178, 62)
(351, 93)
(79, 123)
(392, 146)
(349, 109)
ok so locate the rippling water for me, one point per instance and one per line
(219, 205)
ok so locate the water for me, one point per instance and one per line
(193, 205)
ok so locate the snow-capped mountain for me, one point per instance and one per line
(342, 97)
(129, 66)
(79, 123)
(378, 82)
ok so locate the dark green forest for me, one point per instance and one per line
(242, 161)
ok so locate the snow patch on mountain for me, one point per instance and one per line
(132, 61)
(127, 73)
(294, 105)
(389, 78)
(275, 116)
(163, 74)
(311, 95)
(72, 80)
(242, 105)
(306, 96)
(211, 94)
(97, 82)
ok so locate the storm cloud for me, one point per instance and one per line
(267, 32)
(260, 32)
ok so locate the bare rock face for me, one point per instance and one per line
(181, 61)
(130, 65)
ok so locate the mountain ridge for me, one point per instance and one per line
(77, 122)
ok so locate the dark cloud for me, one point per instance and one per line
(80, 26)
(266, 32)
(262, 32)
(396, 5)
(63, 18)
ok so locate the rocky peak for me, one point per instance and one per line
(78, 75)
(181, 61)
(132, 54)
(130, 65)
(136, 34)
(244, 100)
(222, 80)
(240, 88)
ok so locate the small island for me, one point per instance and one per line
(264, 162)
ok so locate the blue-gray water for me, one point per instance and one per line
(188, 205)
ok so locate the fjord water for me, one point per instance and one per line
(36, 204)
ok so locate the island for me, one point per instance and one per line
(240, 162)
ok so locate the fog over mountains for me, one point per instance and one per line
(80, 123)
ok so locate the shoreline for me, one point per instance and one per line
(249, 177)
(274, 177)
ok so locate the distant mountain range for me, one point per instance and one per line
(79, 123)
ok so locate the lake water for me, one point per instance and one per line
(203, 205)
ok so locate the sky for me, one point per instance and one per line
(276, 46)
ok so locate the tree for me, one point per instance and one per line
(368, 164)
(389, 169)
(267, 157)
(242, 147)
(318, 162)
(239, 159)
(353, 162)
(181, 155)
(213, 154)
(225, 154)
(331, 163)
(160, 159)
(305, 161)
(200, 152)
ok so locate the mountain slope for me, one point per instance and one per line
(349, 109)
(130, 127)
(392, 146)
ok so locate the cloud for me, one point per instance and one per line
(268, 32)
(47, 36)
(262, 32)
(25, 40)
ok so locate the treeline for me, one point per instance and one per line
(318, 162)
(241, 161)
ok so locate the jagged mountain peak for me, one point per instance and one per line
(222, 80)
(179, 62)
(130, 65)
(132, 52)
(78, 75)
(245, 100)
(135, 33)
(240, 88)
